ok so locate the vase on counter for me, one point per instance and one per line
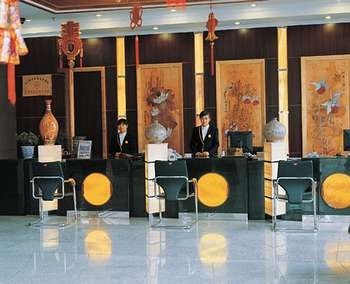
(48, 126)
(274, 131)
(156, 132)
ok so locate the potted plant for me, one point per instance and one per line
(27, 141)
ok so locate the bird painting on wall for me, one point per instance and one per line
(320, 87)
(332, 105)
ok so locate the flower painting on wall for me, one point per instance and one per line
(159, 105)
(325, 103)
(240, 97)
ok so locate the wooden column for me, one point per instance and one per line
(283, 81)
(199, 73)
(121, 86)
(8, 126)
(69, 106)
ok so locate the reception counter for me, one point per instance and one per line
(244, 178)
(333, 185)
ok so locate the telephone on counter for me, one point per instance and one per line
(173, 155)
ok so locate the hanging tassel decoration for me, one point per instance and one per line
(136, 22)
(12, 44)
(70, 44)
(212, 59)
(211, 37)
(11, 84)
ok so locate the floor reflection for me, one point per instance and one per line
(213, 249)
(98, 245)
(212, 252)
(337, 256)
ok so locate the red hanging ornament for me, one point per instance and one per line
(70, 43)
(211, 37)
(176, 3)
(12, 44)
(136, 22)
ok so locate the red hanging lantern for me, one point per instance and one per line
(211, 37)
(12, 44)
(70, 44)
(136, 22)
(176, 3)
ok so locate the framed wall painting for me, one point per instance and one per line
(160, 105)
(240, 98)
(325, 103)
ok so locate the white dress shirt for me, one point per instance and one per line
(204, 131)
(122, 137)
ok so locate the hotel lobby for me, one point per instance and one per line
(168, 141)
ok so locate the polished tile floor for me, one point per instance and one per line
(106, 251)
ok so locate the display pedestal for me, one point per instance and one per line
(273, 152)
(47, 154)
(153, 152)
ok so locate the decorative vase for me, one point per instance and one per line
(48, 126)
(274, 131)
(157, 133)
(27, 152)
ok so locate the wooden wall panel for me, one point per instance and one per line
(329, 39)
(88, 114)
(163, 48)
(244, 44)
(99, 52)
(43, 59)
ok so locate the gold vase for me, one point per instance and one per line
(48, 126)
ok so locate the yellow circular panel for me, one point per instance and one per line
(336, 191)
(213, 190)
(98, 245)
(97, 189)
(213, 249)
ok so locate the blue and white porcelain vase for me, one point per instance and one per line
(156, 132)
(274, 131)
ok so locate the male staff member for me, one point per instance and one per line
(123, 141)
(205, 140)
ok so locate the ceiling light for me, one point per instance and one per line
(237, 23)
(253, 5)
(155, 28)
(98, 15)
(28, 20)
(328, 17)
(173, 10)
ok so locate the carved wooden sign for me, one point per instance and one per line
(37, 85)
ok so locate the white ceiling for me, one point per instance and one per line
(271, 13)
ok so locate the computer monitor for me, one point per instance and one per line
(346, 139)
(241, 139)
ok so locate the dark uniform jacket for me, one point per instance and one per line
(209, 144)
(128, 146)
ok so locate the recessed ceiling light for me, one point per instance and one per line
(155, 28)
(173, 10)
(237, 23)
(98, 15)
(253, 5)
(328, 17)
(28, 20)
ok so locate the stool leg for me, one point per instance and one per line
(75, 203)
(41, 210)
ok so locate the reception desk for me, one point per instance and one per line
(244, 178)
(333, 185)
